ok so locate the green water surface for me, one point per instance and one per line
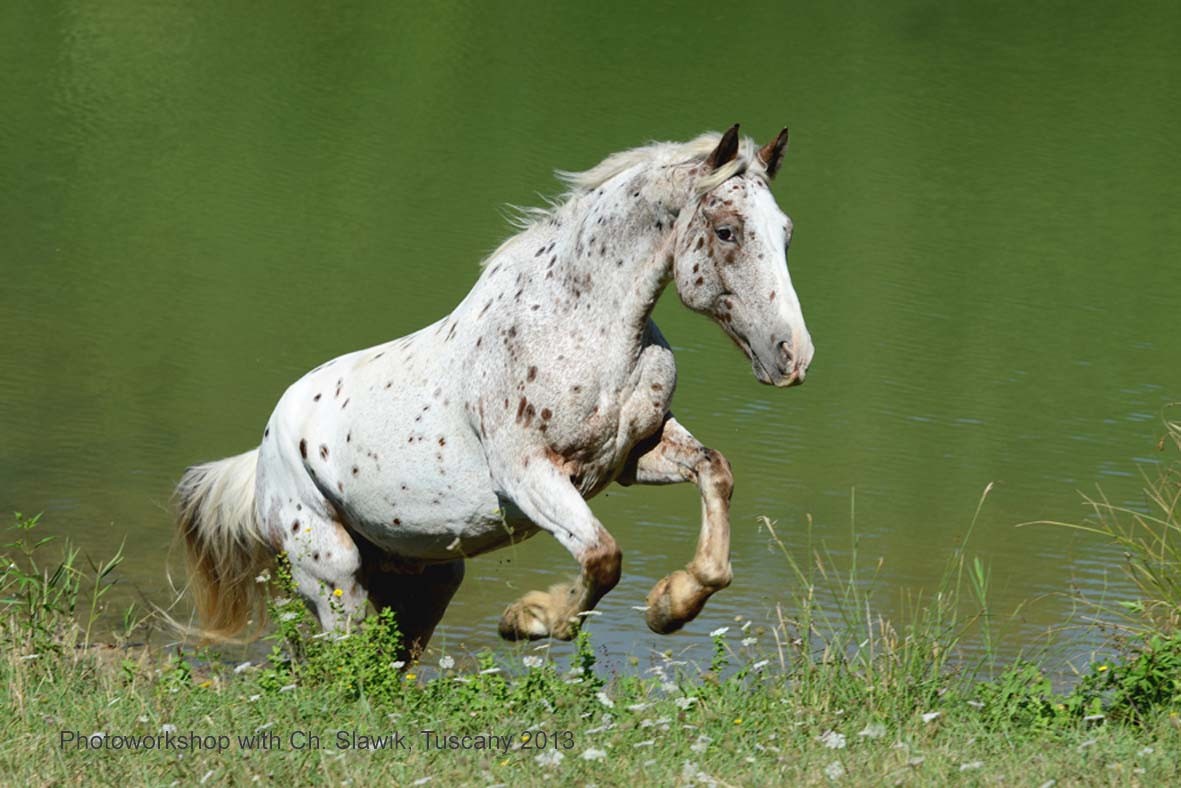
(200, 201)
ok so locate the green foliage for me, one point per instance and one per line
(357, 663)
(1022, 697)
(42, 598)
(1147, 682)
(1150, 540)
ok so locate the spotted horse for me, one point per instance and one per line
(380, 471)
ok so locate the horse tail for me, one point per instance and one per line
(224, 544)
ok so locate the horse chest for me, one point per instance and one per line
(612, 418)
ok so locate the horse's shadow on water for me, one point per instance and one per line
(381, 470)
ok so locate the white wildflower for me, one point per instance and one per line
(397, 664)
(287, 688)
(691, 774)
(489, 671)
(550, 759)
(447, 662)
(931, 716)
(646, 743)
(591, 754)
(288, 616)
(834, 771)
(243, 666)
(168, 728)
(254, 698)
(717, 633)
(833, 740)
(264, 577)
(668, 686)
(1145, 751)
(602, 698)
(684, 703)
(701, 745)
(637, 707)
(532, 661)
(762, 663)
(748, 642)
(874, 730)
(970, 765)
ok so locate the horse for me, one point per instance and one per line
(381, 471)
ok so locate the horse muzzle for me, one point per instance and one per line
(790, 365)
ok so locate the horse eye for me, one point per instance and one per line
(724, 233)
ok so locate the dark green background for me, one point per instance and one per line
(200, 201)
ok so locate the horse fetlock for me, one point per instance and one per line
(714, 578)
(603, 565)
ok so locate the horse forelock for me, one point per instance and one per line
(645, 157)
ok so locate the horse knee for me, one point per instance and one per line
(715, 470)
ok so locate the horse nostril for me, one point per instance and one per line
(785, 356)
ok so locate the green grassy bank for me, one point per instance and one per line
(829, 693)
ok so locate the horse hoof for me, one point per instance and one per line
(526, 619)
(673, 602)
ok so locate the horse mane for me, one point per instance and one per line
(654, 154)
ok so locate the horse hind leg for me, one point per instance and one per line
(325, 567)
(679, 457)
(418, 598)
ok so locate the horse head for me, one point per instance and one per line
(730, 258)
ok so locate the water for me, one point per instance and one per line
(200, 202)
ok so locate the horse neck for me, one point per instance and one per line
(610, 258)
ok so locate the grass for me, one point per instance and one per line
(828, 693)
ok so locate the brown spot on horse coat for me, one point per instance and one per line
(295, 527)
(532, 374)
(303, 448)
(323, 451)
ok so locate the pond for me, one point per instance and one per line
(202, 202)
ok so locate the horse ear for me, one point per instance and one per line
(727, 149)
(771, 154)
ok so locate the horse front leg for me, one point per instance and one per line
(673, 456)
(546, 496)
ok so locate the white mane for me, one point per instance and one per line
(662, 154)
(654, 154)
